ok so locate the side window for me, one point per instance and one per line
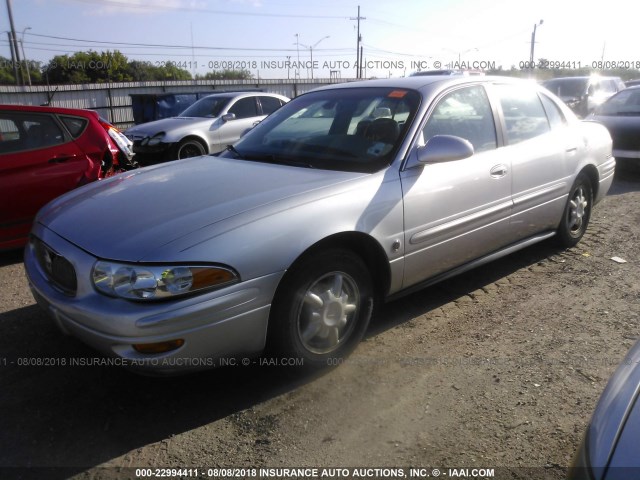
(245, 108)
(9, 135)
(75, 125)
(22, 131)
(609, 86)
(554, 114)
(269, 105)
(524, 115)
(465, 113)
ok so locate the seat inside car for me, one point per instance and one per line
(384, 130)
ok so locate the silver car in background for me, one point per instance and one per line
(207, 126)
(346, 195)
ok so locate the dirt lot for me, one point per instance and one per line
(499, 368)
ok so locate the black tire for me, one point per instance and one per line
(577, 212)
(322, 309)
(187, 148)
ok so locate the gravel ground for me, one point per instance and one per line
(499, 368)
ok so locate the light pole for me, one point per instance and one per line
(533, 41)
(311, 51)
(24, 57)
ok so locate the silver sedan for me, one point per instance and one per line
(207, 126)
(346, 195)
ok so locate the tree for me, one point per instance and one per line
(227, 75)
(94, 67)
(7, 75)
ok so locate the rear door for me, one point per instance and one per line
(38, 162)
(459, 210)
(542, 150)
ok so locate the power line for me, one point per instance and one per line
(123, 4)
(157, 45)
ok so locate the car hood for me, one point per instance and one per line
(165, 125)
(130, 216)
(613, 432)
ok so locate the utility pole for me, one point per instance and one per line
(15, 44)
(13, 58)
(358, 48)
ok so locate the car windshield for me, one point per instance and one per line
(351, 129)
(626, 102)
(207, 107)
(567, 87)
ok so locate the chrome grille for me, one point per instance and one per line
(57, 268)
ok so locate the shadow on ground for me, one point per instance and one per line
(82, 416)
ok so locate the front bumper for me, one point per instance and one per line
(215, 326)
(635, 154)
(158, 149)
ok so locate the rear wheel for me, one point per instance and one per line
(322, 308)
(188, 148)
(577, 212)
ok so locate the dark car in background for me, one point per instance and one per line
(207, 126)
(584, 94)
(621, 115)
(47, 151)
(611, 447)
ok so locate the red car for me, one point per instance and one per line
(47, 151)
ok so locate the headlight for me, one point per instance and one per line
(153, 282)
(155, 140)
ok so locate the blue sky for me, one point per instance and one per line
(398, 37)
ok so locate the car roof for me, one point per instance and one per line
(428, 83)
(48, 109)
(246, 93)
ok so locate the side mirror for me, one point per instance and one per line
(444, 148)
(227, 117)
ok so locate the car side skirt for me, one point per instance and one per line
(473, 264)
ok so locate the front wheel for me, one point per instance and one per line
(576, 213)
(188, 148)
(322, 309)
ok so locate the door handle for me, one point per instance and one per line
(61, 158)
(498, 171)
(572, 150)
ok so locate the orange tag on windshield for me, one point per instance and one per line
(397, 94)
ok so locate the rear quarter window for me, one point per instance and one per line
(554, 114)
(75, 125)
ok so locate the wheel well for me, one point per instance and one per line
(592, 172)
(364, 246)
(204, 144)
(107, 162)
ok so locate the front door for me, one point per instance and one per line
(459, 210)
